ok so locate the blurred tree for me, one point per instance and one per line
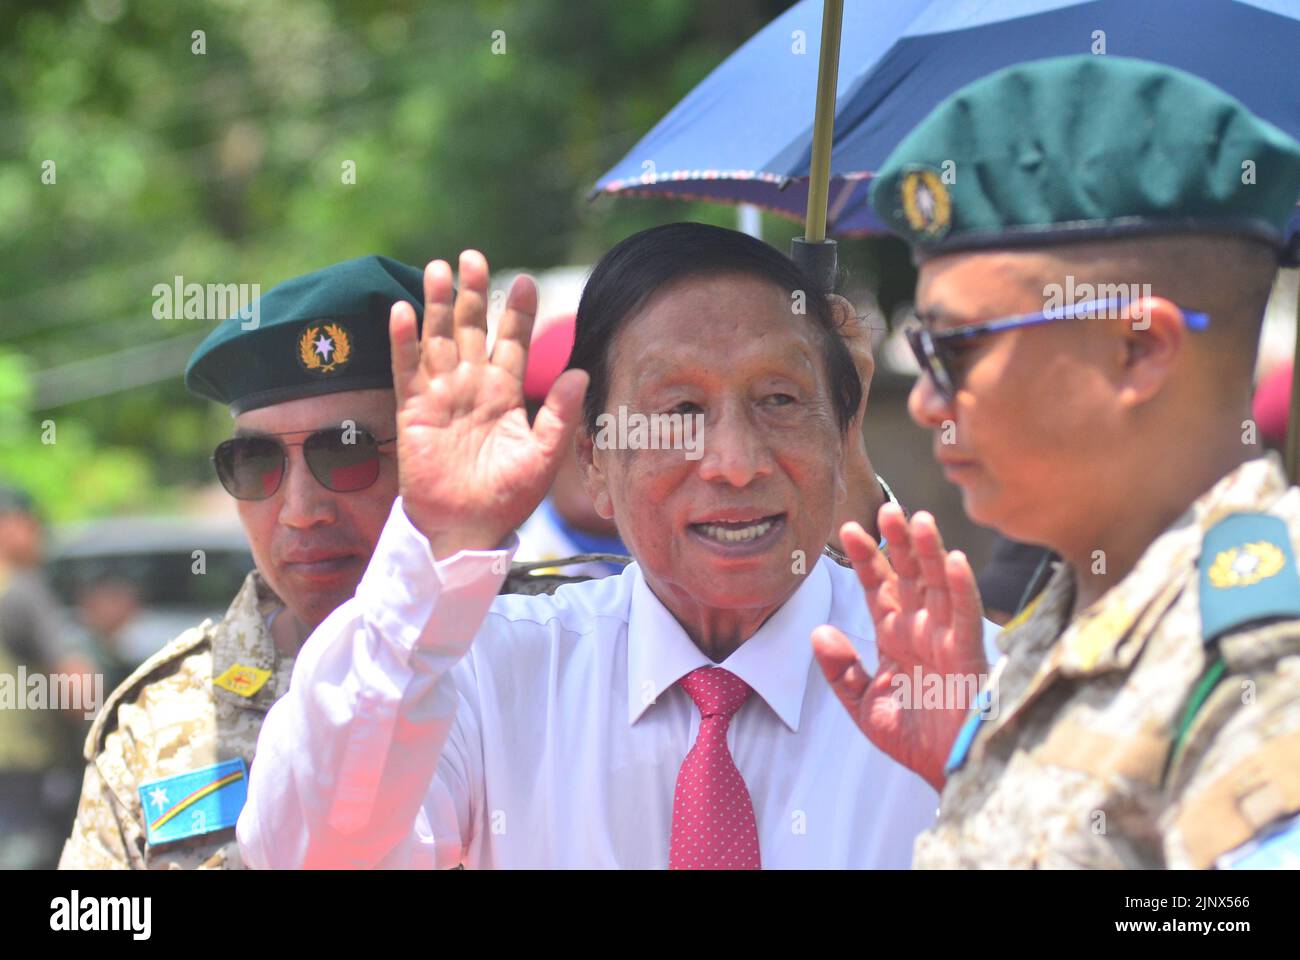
(232, 141)
(71, 474)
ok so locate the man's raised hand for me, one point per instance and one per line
(927, 613)
(471, 468)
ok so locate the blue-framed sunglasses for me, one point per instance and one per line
(937, 353)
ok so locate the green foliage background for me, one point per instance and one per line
(225, 167)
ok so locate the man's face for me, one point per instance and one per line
(1024, 438)
(310, 543)
(736, 527)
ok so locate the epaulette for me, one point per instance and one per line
(181, 646)
(1248, 574)
(536, 577)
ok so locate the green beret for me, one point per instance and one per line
(324, 332)
(1082, 148)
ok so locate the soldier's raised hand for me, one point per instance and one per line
(471, 469)
(927, 613)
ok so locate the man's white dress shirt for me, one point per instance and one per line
(431, 722)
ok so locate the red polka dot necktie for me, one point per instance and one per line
(713, 817)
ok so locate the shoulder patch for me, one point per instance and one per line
(1247, 573)
(194, 803)
(1279, 849)
(181, 646)
(243, 680)
(543, 576)
(534, 584)
(538, 566)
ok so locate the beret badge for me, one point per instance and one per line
(926, 203)
(324, 347)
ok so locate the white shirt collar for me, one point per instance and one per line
(774, 661)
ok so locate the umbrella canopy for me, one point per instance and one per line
(744, 135)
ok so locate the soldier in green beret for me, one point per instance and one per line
(1097, 238)
(307, 376)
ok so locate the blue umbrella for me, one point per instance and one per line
(744, 135)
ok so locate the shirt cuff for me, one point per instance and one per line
(403, 582)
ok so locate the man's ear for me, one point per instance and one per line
(856, 333)
(1152, 339)
(593, 476)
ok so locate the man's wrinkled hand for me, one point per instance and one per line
(471, 468)
(927, 613)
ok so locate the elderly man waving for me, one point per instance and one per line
(671, 716)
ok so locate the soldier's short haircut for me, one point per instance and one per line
(1226, 276)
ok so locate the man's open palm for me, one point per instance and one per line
(927, 613)
(471, 467)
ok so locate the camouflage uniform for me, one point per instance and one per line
(180, 715)
(1081, 763)
(169, 718)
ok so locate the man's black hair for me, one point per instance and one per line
(628, 275)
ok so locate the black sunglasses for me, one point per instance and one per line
(344, 460)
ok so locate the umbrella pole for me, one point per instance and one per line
(1293, 415)
(813, 251)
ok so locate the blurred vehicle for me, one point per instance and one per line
(184, 569)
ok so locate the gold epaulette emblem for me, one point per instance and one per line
(1246, 565)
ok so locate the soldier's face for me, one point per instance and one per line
(1023, 438)
(311, 543)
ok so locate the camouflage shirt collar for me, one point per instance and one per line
(1254, 485)
(242, 640)
(1096, 639)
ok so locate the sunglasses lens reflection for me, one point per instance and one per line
(250, 468)
(343, 461)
